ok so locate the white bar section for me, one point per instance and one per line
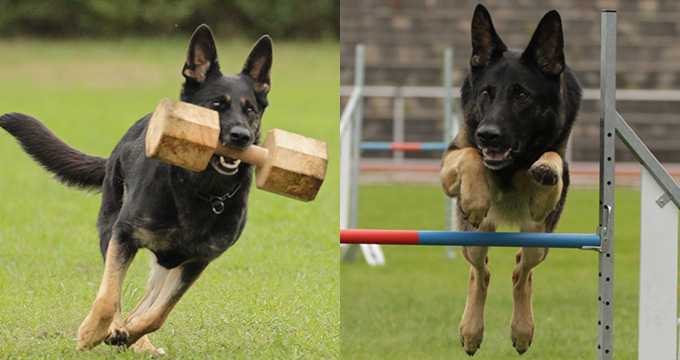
(657, 338)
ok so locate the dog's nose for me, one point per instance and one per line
(239, 136)
(488, 134)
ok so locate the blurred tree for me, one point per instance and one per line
(71, 18)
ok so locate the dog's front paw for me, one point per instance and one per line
(543, 174)
(474, 206)
(117, 337)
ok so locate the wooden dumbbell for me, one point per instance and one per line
(187, 135)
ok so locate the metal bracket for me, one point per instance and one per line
(664, 199)
(604, 240)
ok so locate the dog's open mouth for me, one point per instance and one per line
(225, 165)
(496, 158)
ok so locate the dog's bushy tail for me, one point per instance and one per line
(69, 165)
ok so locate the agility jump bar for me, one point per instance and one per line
(468, 238)
(403, 146)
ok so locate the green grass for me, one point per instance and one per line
(273, 295)
(410, 308)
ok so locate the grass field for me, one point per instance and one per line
(273, 295)
(410, 308)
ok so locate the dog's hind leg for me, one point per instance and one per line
(471, 328)
(95, 328)
(150, 316)
(522, 325)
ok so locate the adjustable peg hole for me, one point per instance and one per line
(608, 255)
(599, 298)
(609, 158)
(606, 279)
(609, 182)
(606, 351)
(599, 274)
(609, 134)
(606, 303)
(606, 327)
(599, 347)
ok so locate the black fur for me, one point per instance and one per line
(149, 204)
(69, 165)
(529, 99)
(531, 96)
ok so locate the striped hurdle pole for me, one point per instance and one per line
(467, 238)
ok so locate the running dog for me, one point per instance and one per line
(165, 209)
(506, 165)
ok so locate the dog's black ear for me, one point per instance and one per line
(546, 48)
(259, 64)
(487, 46)
(201, 60)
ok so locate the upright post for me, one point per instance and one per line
(657, 336)
(606, 213)
(357, 123)
(449, 127)
(398, 123)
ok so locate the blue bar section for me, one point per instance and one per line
(508, 239)
(434, 146)
(375, 145)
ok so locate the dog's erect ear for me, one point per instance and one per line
(201, 56)
(546, 48)
(487, 46)
(259, 64)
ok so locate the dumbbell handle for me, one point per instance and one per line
(253, 154)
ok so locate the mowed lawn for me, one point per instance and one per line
(410, 308)
(275, 294)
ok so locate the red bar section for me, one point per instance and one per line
(352, 236)
(406, 146)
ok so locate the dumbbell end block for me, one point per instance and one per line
(182, 134)
(296, 165)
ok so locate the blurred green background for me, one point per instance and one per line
(110, 18)
(275, 294)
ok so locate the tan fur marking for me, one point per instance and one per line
(95, 328)
(151, 317)
(471, 327)
(522, 324)
(545, 198)
(201, 66)
(463, 175)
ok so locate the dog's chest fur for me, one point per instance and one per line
(510, 203)
(174, 219)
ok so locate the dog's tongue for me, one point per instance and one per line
(495, 154)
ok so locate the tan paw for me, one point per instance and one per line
(543, 174)
(471, 335)
(92, 332)
(521, 334)
(474, 199)
(144, 346)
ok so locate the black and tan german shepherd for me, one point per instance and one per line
(506, 165)
(185, 219)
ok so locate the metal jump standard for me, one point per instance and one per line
(660, 199)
